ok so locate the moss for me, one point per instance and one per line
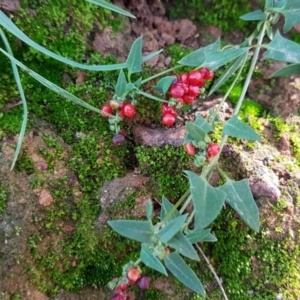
(165, 166)
(3, 198)
(252, 266)
(25, 163)
(212, 12)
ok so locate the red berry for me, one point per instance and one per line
(168, 119)
(188, 99)
(183, 78)
(167, 249)
(194, 90)
(168, 109)
(190, 149)
(133, 275)
(195, 78)
(106, 109)
(128, 110)
(207, 74)
(123, 286)
(176, 90)
(144, 283)
(212, 150)
(185, 87)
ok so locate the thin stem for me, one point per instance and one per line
(160, 74)
(230, 88)
(151, 97)
(170, 213)
(212, 163)
(213, 271)
(251, 69)
(186, 203)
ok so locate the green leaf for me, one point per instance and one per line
(287, 71)
(111, 7)
(291, 12)
(135, 58)
(180, 243)
(218, 59)
(178, 267)
(23, 98)
(283, 49)
(121, 84)
(236, 128)
(151, 261)
(138, 83)
(194, 131)
(171, 228)
(197, 57)
(202, 123)
(51, 85)
(149, 210)
(141, 231)
(164, 84)
(240, 198)
(166, 207)
(12, 28)
(228, 72)
(201, 235)
(207, 200)
(257, 15)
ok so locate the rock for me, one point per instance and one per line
(284, 144)
(186, 29)
(158, 137)
(10, 5)
(45, 198)
(287, 91)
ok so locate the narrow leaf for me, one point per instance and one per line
(283, 49)
(287, 71)
(257, 15)
(207, 200)
(111, 7)
(141, 231)
(202, 123)
(240, 198)
(200, 235)
(228, 72)
(134, 59)
(23, 98)
(197, 57)
(12, 28)
(166, 207)
(151, 261)
(164, 84)
(236, 128)
(171, 228)
(149, 210)
(178, 267)
(121, 84)
(180, 243)
(195, 131)
(51, 85)
(218, 59)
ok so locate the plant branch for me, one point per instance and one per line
(213, 271)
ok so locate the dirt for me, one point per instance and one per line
(25, 203)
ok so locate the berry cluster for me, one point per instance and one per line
(133, 276)
(202, 151)
(185, 89)
(121, 110)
